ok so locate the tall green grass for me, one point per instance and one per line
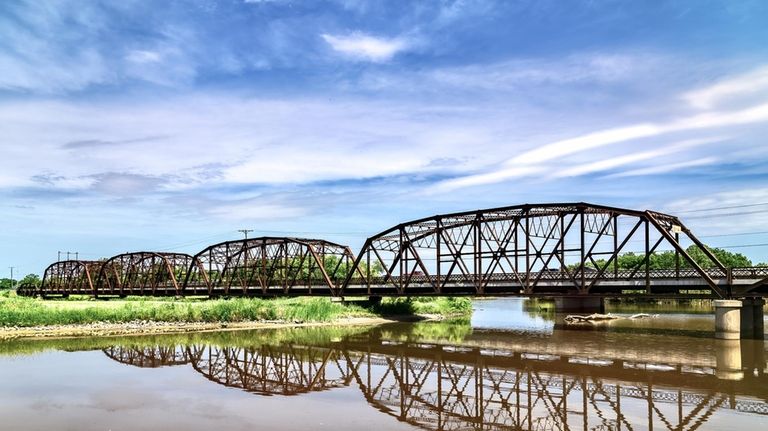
(444, 306)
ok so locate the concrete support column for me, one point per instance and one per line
(752, 325)
(574, 304)
(727, 319)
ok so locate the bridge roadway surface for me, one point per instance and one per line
(546, 384)
(660, 284)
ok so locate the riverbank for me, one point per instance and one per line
(30, 317)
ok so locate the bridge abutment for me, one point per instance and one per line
(573, 304)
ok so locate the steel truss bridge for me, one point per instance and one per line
(447, 387)
(557, 249)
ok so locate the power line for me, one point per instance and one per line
(725, 215)
(721, 208)
(734, 234)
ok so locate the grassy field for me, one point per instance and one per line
(24, 312)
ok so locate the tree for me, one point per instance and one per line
(667, 260)
(31, 280)
(6, 283)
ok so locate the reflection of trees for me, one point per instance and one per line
(438, 387)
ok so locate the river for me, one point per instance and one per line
(506, 368)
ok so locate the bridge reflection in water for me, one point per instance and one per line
(438, 386)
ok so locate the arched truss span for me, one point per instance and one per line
(144, 273)
(270, 266)
(70, 277)
(546, 249)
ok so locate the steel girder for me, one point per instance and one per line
(144, 273)
(544, 249)
(270, 266)
(76, 277)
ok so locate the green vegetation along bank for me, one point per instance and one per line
(22, 312)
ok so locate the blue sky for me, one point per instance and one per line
(169, 125)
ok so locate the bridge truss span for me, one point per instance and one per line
(269, 266)
(143, 273)
(69, 277)
(545, 249)
(548, 250)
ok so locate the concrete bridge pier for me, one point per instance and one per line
(739, 318)
(576, 304)
(727, 319)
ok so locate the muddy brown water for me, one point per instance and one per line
(506, 368)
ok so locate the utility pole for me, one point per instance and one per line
(76, 253)
(12, 281)
(245, 232)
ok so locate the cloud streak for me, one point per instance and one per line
(361, 46)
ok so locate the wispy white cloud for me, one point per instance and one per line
(615, 162)
(492, 177)
(666, 167)
(520, 73)
(142, 56)
(221, 140)
(362, 46)
(751, 83)
(710, 120)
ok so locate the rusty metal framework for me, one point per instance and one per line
(554, 249)
(546, 249)
(70, 277)
(270, 266)
(143, 273)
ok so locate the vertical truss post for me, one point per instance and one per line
(562, 242)
(438, 255)
(401, 250)
(615, 244)
(527, 253)
(478, 249)
(582, 248)
(368, 272)
(647, 257)
(677, 257)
